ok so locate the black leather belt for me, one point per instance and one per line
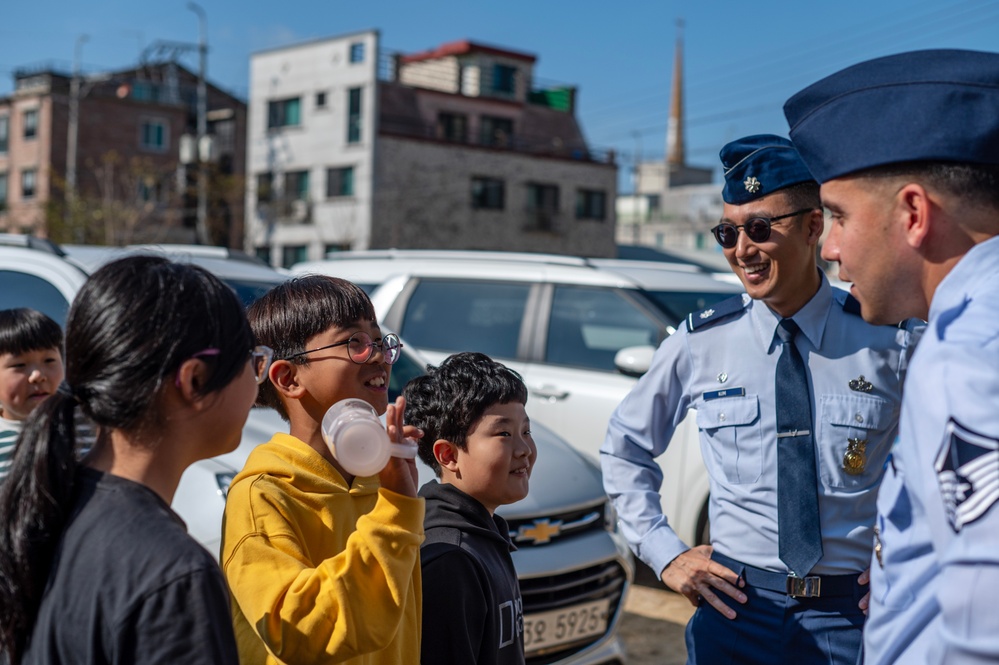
(813, 586)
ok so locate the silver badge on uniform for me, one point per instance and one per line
(861, 385)
(967, 469)
(706, 313)
(723, 377)
(751, 184)
(855, 457)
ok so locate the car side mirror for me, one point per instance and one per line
(634, 360)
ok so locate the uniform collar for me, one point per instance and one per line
(979, 264)
(811, 318)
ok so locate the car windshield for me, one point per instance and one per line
(249, 290)
(678, 304)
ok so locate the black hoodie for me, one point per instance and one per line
(472, 611)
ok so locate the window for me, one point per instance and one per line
(357, 52)
(320, 100)
(265, 190)
(469, 315)
(28, 183)
(504, 79)
(452, 127)
(354, 115)
(339, 247)
(487, 193)
(296, 185)
(3, 191)
(284, 113)
(31, 123)
(292, 254)
(591, 204)
(4, 132)
(496, 132)
(589, 325)
(340, 182)
(263, 253)
(153, 135)
(542, 206)
(19, 289)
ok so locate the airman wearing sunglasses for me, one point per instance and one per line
(796, 401)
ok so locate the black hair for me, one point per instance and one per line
(23, 330)
(973, 184)
(803, 195)
(447, 401)
(132, 325)
(289, 315)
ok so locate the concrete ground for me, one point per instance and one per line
(653, 622)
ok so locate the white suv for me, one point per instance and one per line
(578, 330)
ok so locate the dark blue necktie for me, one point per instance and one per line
(800, 543)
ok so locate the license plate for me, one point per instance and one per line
(545, 630)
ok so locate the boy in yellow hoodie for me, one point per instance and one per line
(323, 567)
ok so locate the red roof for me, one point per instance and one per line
(465, 47)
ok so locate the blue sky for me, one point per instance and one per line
(742, 60)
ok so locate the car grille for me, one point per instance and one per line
(544, 530)
(541, 594)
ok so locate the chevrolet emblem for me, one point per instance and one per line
(541, 532)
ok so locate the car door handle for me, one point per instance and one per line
(551, 393)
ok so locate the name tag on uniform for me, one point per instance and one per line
(728, 392)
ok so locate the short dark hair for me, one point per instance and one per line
(289, 315)
(23, 330)
(447, 401)
(974, 184)
(803, 195)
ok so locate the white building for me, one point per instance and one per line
(451, 148)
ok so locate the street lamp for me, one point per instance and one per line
(201, 229)
(72, 136)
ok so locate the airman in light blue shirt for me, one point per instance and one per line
(724, 362)
(907, 150)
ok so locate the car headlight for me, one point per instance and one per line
(610, 517)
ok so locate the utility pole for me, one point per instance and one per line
(636, 231)
(72, 138)
(201, 229)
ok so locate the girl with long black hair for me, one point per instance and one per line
(94, 565)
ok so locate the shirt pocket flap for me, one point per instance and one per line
(858, 411)
(728, 412)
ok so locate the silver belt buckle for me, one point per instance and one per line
(804, 587)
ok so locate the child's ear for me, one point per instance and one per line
(283, 375)
(191, 376)
(446, 454)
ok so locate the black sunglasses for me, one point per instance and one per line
(757, 229)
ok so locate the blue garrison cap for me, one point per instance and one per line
(936, 105)
(759, 165)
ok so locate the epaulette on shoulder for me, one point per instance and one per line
(852, 306)
(717, 312)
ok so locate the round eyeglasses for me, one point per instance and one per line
(757, 229)
(360, 348)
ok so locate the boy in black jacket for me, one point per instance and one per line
(477, 439)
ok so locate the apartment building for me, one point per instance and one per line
(135, 157)
(450, 148)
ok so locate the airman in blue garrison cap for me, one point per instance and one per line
(796, 401)
(907, 150)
